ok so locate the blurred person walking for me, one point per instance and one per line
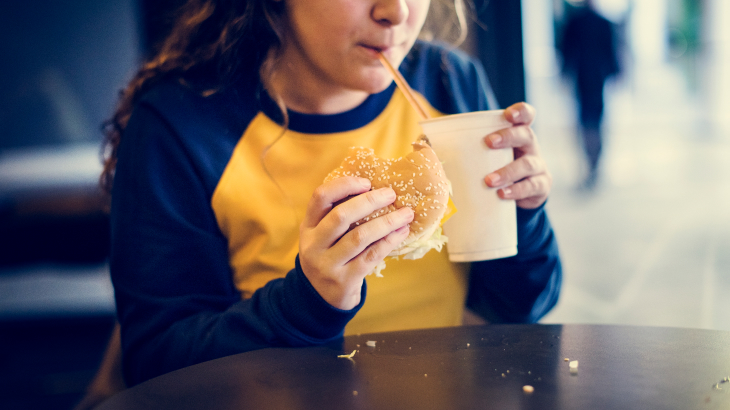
(589, 57)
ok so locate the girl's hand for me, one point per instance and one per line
(336, 261)
(526, 179)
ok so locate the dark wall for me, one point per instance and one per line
(156, 18)
(499, 47)
(61, 64)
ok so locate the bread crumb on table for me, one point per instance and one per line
(573, 367)
(347, 356)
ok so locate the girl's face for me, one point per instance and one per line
(333, 44)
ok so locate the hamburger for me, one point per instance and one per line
(419, 182)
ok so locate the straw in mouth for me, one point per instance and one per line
(404, 87)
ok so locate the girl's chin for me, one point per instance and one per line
(380, 88)
(376, 84)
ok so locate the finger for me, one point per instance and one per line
(520, 136)
(530, 192)
(523, 167)
(357, 240)
(327, 194)
(376, 252)
(339, 219)
(520, 113)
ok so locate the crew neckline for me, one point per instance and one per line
(349, 120)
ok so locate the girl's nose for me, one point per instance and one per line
(390, 12)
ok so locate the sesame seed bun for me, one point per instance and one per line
(419, 182)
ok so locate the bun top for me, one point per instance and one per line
(418, 180)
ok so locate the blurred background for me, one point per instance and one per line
(649, 244)
(646, 242)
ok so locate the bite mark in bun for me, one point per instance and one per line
(419, 182)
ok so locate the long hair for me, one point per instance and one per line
(215, 42)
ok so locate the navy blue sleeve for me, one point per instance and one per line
(524, 287)
(176, 301)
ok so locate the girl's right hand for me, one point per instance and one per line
(336, 261)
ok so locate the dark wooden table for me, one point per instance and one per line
(475, 367)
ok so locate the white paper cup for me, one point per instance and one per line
(484, 226)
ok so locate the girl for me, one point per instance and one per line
(224, 238)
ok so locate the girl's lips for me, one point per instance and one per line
(374, 51)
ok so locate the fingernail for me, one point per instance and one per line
(493, 178)
(506, 191)
(365, 183)
(495, 139)
(515, 115)
(409, 213)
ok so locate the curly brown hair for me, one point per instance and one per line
(216, 41)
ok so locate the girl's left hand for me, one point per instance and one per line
(526, 179)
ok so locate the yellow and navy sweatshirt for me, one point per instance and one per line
(209, 192)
